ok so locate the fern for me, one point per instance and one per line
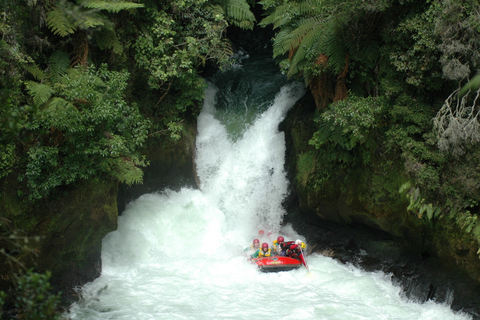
(335, 50)
(91, 20)
(282, 43)
(309, 29)
(60, 23)
(36, 72)
(66, 18)
(111, 6)
(60, 109)
(58, 63)
(126, 171)
(40, 92)
(238, 12)
(107, 39)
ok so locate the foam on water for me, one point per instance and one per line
(179, 254)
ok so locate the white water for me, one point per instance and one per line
(178, 255)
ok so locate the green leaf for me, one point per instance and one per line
(60, 23)
(40, 92)
(111, 6)
(405, 186)
(429, 209)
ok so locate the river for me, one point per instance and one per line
(179, 254)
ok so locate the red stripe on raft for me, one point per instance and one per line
(277, 263)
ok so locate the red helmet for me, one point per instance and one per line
(261, 232)
(256, 241)
(280, 239)
(265, 245)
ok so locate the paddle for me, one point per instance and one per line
(303, 258)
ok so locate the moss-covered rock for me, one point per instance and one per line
(62, 234)
(367, 196)
(171, 165)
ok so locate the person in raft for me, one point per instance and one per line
(254, 246)
(263, 252)
(294, 249)
(261, 234)
(277, 246)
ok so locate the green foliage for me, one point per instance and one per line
(13, 113)
(32, 297)
(448, 213)
(346, 139)
(412, 37)
(85, 129)
(173, 45)
(346, 131)
(7, 158)
(471, 86)
(66, 17)
(111, 6)
(238, 12)
(336, 29)
(35, 299)
(409, 135)
(418, 205)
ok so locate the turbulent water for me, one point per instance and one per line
(179, 254)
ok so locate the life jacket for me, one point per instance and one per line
(252, 247)
(286, 245)
(303, 245)
(262, 254)
(293, 251)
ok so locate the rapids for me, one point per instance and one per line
(179, 254)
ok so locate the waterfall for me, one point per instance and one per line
(179, 254)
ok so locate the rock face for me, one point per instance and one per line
(171, 166)
(62, 235)
(72, 230)
(371, 201)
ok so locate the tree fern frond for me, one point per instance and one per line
(111, 6)
(39, 92)
(36, 72)
(279, 17)
(217, 9)
(307, 26)
(336, 51)
(107, 39)
(281, 42)
(309, 8)
(59, 109)
(282, 15)
(126, 171)
(244, 24)
(58, 63)
(238, 11)
(60, 23)
(366, 49)
(299, 59)
(90, 20)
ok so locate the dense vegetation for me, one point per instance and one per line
(85, 83)
(392, 80)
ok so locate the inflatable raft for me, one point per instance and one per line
(277, 263)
